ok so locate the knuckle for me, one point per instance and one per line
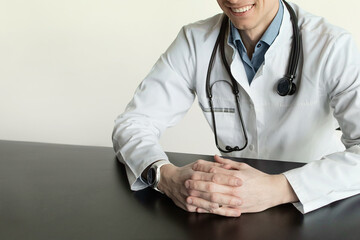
(214, 197)
(232, 181)
(201, 210)
(233, 201)
(213, 187)
(211, 210)
(209, 187)
(214, 178)
(191, 192)
(194, 176)
(199, 161)
(236, 191)
(214, 205)
(189, 208)
(212, 170)
(187, 184)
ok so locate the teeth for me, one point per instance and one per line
(243, 9)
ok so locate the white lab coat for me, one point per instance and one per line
(293, 128)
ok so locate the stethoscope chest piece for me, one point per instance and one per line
(285, 87)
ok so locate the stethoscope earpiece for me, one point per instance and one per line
(286, 87)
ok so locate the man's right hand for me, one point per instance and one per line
(173, 178)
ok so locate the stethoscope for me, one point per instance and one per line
(285, 85)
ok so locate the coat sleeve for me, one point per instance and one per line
(335, 176)
(159, 102)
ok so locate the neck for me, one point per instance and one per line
(251, 37)
(249, 42)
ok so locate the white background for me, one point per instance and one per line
(69, 67)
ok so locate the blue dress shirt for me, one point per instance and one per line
(251, 66)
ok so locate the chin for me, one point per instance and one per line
(242, 26)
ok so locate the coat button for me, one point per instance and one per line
(251, 147)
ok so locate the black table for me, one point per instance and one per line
(50, 191)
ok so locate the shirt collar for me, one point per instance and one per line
(268, 37)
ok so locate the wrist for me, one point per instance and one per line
(285, 192)
(153, 174)
(166, 173)
(146, 170)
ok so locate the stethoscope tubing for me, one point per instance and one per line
(289, 77)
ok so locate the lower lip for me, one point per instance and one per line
(238, 14)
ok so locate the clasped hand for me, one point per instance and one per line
(223, 187)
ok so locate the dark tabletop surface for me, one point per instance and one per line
(50, 191)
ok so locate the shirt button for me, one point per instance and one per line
(251, 147)
(259, 45)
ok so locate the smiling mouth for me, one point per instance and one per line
(243, 9)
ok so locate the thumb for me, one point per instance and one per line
(218, 159)
(226, 163)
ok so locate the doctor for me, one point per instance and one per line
(253, 111)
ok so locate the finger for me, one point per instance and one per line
(222, 160)
(185, 206)
(221, 199)
(223, 211)
(201, 210)
(213, 169)
(183, 192)
(190, 208)
(226, 166)
(219, 178)
(203, 162)
(202, 203)
(228, 162)
(209, 187)
(181, 202)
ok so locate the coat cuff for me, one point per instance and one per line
(308, 203)
(136, 182)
